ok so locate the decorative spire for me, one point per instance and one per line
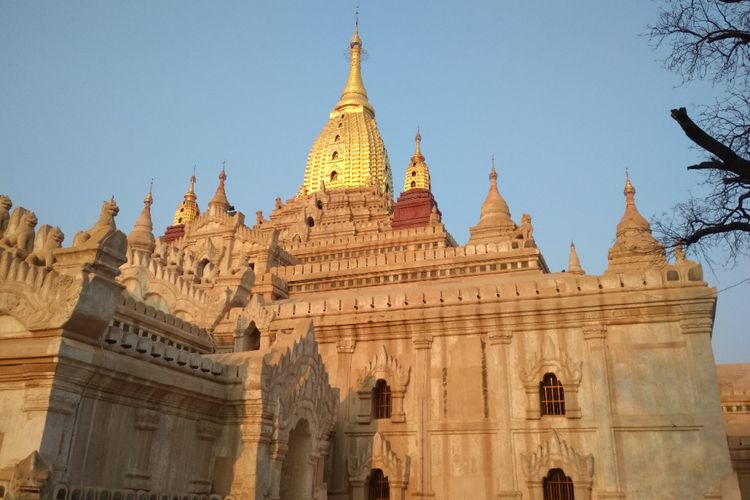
(635, 247)
(220, 203)
(417, 173)
(349, 152)
(574, 264)
(494, 218)
(188, 210)
(354, 93)
(142, 235)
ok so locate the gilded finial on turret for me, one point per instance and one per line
(417, 173)
(629, 190)
(188, 210)
(149, 199)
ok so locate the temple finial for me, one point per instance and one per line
(354, 93)
(417, 173)
(629, 190)
(493, 172)
(356, 19)
(574, 263)
(188, 210)
(149, 199)
(219, 203)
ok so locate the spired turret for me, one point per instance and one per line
(416, 206)
(349, 152)
(417, 173)
(635, 247)
(495, 223)
(574, 264)
(219, 204)
(186, 212)
(142, 235)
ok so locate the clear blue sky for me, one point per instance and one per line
(98, 97)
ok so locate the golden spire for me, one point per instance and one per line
(349, 151)
(354, 93)
(220, 203)
(188, 210)
(142, 235)
(574, 264)
(417, 173)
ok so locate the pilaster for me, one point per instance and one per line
(599, 369)
(423, 347)
(502, 404)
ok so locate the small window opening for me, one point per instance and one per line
(551, 395)
(557, 486)
(334, 176)
(378, 489)
(335, 155)
(337, 138)
(381, 400)
(310, 222)
(413, 184)
(413, 173)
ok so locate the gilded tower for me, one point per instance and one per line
(349, 152)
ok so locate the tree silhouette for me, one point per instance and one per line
(710, 39)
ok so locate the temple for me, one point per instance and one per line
(347, 347)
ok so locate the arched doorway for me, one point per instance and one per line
(296, 477)
(378, 489)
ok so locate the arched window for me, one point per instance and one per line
(551, 395)
(335, 155)
(413, 173)
(310, 221)
(334, 176)
(413, 184)
(381, 400)
(337, 138)
(379, 488)
(558, 486)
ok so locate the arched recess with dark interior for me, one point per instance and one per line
(248, 339)
(378, 487)
(381, 400)
(558, 486)
(296, 478)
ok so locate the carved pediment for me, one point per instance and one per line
(551, 358)
(387, 367)
(557, 453)
(378, 454)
